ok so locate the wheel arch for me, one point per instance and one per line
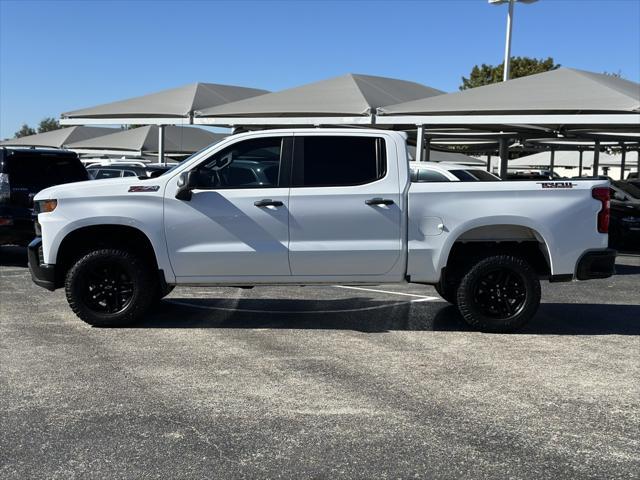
(501, 234)
(83, 238)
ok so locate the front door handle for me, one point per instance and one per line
(267, 202)
(379, 201)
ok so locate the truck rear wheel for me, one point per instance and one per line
(499, 294)
(110, 287)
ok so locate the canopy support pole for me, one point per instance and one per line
(420, 143)
(623, 161)
(580, 164)
(596, 158)
(552, 162)
(161, 159)
(504, 158)
(507, 46)
(488, 163)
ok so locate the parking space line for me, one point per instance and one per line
(420, 298)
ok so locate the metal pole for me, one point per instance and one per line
(596, 158)
(488, 163)
(507, 47)
(504, 158)
(622, 161)
(420, 143)
(580, 164)
(552, 163)
(161, 145)
(427, 149)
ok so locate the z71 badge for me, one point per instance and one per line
(557, 184)
(144, 188)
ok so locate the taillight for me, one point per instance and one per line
(603, 194)
(5, 188)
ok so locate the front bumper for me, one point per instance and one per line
(596, 264)
(42, 274)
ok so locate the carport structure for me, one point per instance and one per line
(59, 138)
(350, 99)
(533, 112)
(175, 106)
(145, 140)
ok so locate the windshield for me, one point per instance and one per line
(193, 155)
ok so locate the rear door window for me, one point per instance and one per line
(338, 161)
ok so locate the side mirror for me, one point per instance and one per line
(187, 181)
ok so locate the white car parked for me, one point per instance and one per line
(330, 206)
(449, 172)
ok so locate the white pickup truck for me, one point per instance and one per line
(317, 206)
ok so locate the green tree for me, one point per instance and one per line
(48, 124)
(24, 131)
(520, 67)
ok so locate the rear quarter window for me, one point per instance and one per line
(43, 170)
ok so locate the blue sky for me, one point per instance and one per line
(57, 56)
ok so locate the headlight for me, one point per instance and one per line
(45, 206)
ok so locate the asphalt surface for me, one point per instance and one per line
(320, 382)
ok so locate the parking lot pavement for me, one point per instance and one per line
(320, 382)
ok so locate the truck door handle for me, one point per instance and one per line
(379, 201)
(267, 202)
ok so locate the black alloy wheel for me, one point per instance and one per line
(108, 288)
(500, 293)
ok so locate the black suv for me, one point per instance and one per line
(23, 173)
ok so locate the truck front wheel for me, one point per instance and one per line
(110, 287)
(499, 294)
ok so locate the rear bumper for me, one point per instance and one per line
(42, 274)
(596, 264)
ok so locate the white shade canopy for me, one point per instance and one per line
(59, 138)
(352, 95)
(173, 105)
(564, 90)
(177, 140)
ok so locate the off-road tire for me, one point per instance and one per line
(477, 299)
(140, 281)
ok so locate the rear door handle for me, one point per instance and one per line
(379, 201)
(267, 202)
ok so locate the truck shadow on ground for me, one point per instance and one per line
(374, 316)
(627, 269)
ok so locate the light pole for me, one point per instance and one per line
(507, 47)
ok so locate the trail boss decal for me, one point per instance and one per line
(557, 184)
(144, 188)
